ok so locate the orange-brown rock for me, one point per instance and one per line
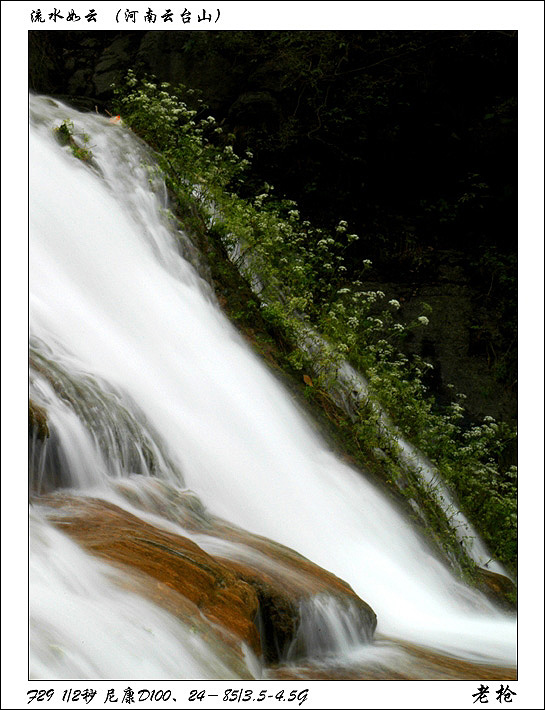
(174, 561)
(253, 589)
(272, 562)
(411, 662)
(281, 577)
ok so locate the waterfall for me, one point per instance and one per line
(151, 395)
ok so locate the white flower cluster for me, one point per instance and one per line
(371, 296)
(258, 201)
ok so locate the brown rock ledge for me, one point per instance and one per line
(255, 599)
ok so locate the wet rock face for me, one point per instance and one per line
(41, 449)
(297, 600)
(85, 64)
(260, 600)
(277, 620)
(46, 469)
(498, 588)
(107, 71)
(172, 560)
(37, 421)
(290, 588)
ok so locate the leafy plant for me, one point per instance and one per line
(65, 136)
(302, 286)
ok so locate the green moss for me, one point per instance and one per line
(65, 136)
(64, 132)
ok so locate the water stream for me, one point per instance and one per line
(143, 377)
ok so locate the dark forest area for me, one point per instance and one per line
(409, 136)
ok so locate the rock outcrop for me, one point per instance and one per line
(257, 598)
(498, 588)
(173, 561)
(37, 421)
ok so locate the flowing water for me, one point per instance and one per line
(144, 379)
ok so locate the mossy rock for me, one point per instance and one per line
(498, 588)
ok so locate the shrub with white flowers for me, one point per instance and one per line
(303, 279)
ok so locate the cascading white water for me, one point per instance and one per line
(112, 297)
(348, 389)
(100, 630)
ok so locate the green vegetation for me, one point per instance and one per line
(302, 281)
(65, 136)
(409, 135)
